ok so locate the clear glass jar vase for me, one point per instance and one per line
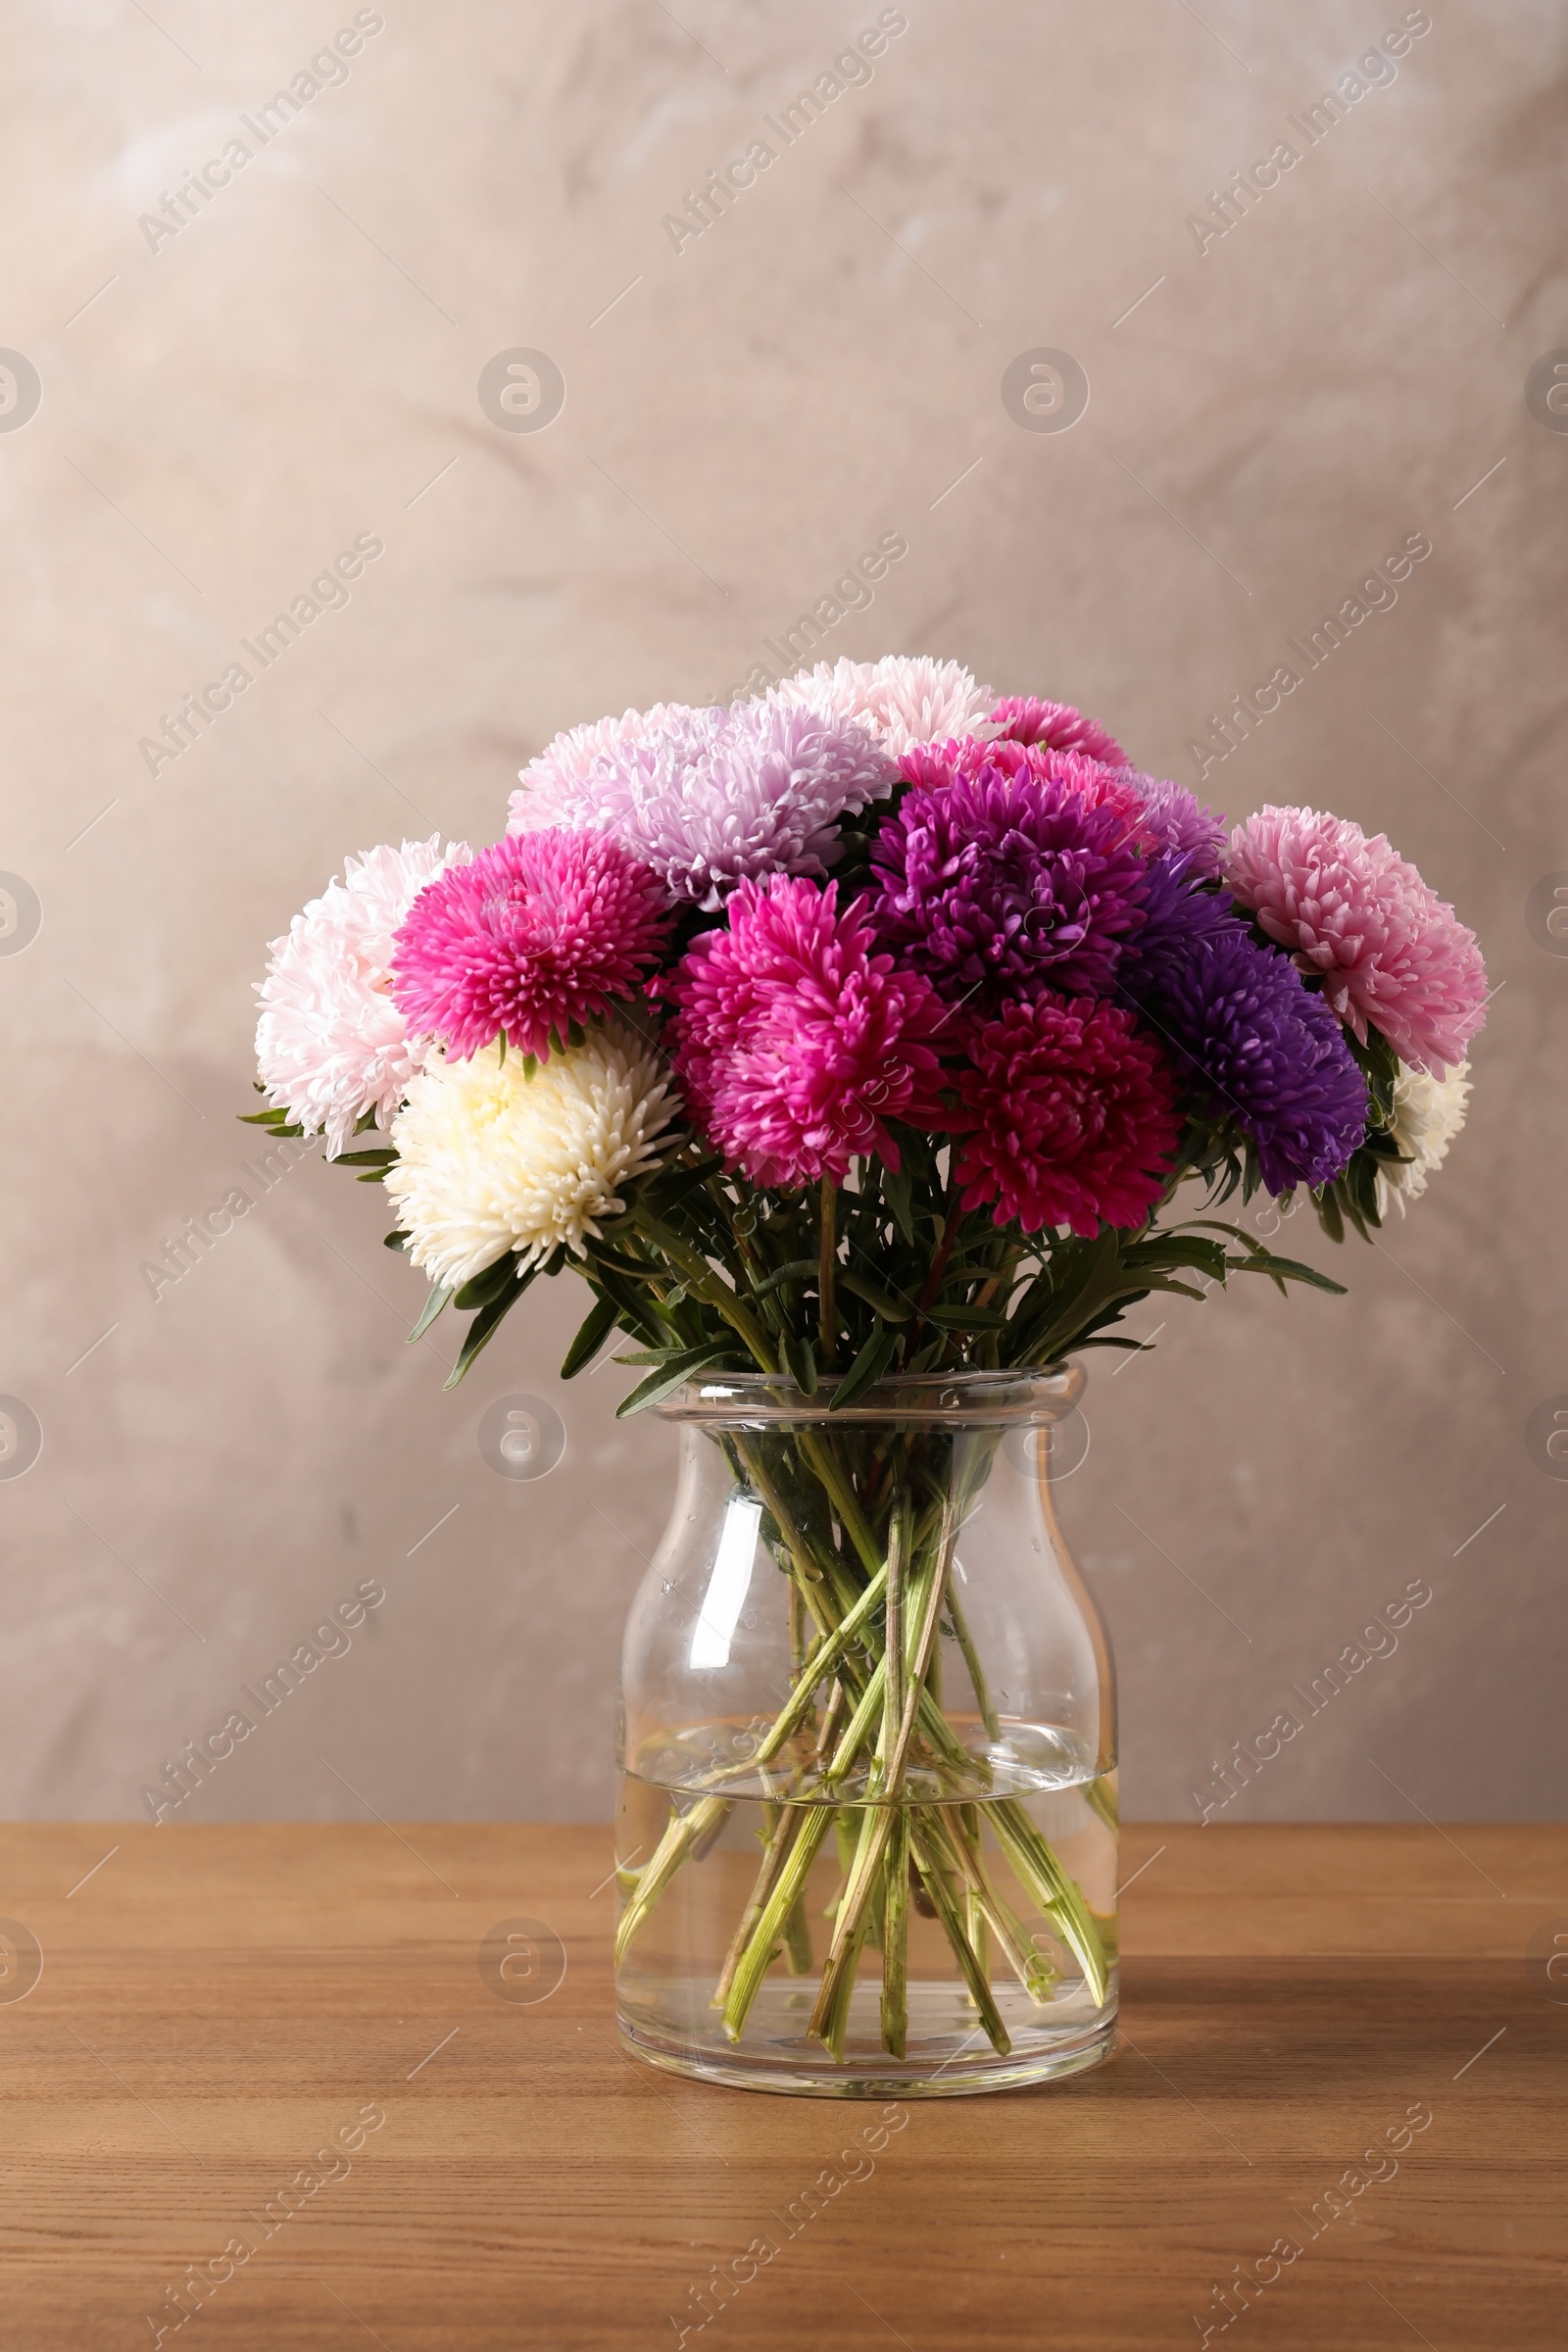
(866, 1838)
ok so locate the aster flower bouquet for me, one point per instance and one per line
(870, 1049)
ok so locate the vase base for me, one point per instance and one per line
(799, 2073)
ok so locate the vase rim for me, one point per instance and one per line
(1004, 1399)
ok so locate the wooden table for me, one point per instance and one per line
(216, 2005)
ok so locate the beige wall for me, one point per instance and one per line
(299, 366)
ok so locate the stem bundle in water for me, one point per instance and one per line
(865, 1524)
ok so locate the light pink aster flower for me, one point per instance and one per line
(551, 783)
(540, 932)
(708, 797)
(794, 1043)
(330, 1044)
(905, 698)
(1390, 953)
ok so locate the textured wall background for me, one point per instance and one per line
(223, 409)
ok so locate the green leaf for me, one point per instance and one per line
(800, 1362)
(396, 1240)
(277, 1120)
(868, 1368)
(490, 1282)
(669, 1376)
(891, 1310)
(381, 1157)
(1328, 1214)
(486, 1323)
(1293, 1270)
(897, 1192)
(799, 1269)
(597, 1326)
(440, 1293)
(967, 1318)
(1180, 1250)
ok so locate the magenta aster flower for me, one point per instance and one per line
(1007, 869)
(542, 930)
(795, 1044)
(1024, 719)
(1068, 1118)
(1388, 949)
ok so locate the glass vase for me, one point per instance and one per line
(866, 1835)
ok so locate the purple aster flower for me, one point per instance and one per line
(998, 878)
(1179, 822)
(1257, 1046)
(1179, 918)
(709, 798)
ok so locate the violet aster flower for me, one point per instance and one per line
(1024, 719)
(994, 876)
(1068, 1118)
(1179, 919)
(1254, 1045)
(1390, 951)
(795, 1044)
(542, 930)
(707, 798)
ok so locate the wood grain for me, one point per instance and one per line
(218, 2002)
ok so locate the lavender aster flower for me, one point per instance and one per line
(1005, 881)
(710, 798)
(1253, 1044)
(1179, 822)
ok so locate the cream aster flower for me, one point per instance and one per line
(491, 1159)
(1427, 1113)
(330, 1044)
(907, 698)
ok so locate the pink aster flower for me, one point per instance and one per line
(1350, 910)
(1024, 719)
(1068, 1118)
(795, 1044)
(541, 931)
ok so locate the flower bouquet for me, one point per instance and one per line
(861, 1045)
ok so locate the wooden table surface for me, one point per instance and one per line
(218, 2004)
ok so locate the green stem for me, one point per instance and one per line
(827, 1319)
(814, 1822)
(972, 1658)
(683, 1832)
(895, 1938)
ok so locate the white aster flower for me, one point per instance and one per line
(1427, 1113)
(330, 1044)
(709, 798)
(907, 698)
(491, 1159)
